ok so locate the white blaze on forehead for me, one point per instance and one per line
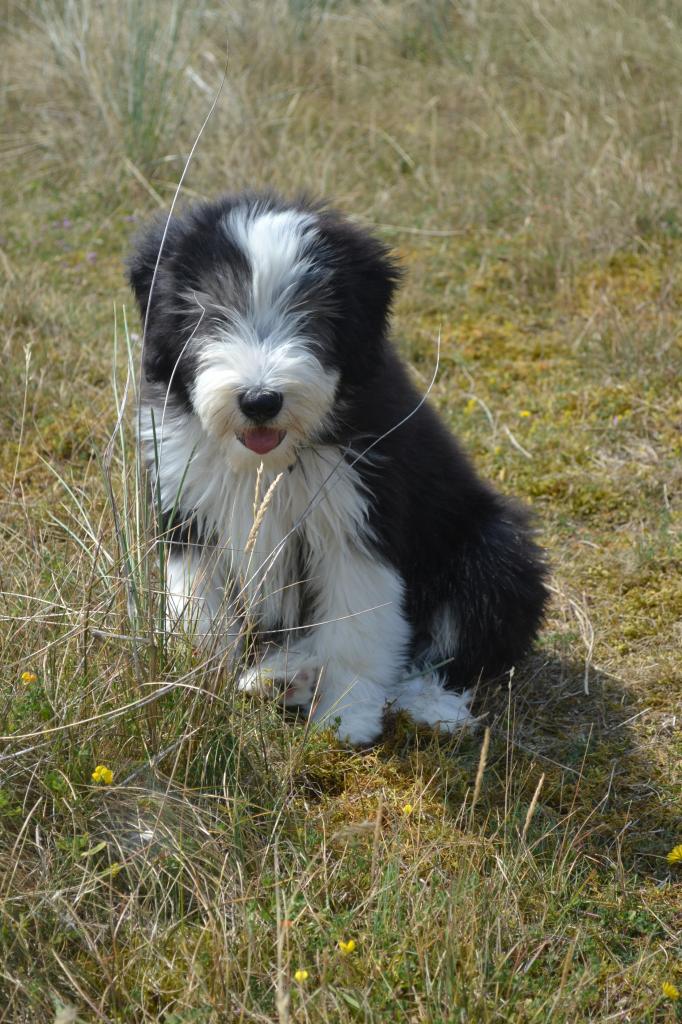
(268, 342)
(274, 243)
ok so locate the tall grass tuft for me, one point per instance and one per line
(123, 68)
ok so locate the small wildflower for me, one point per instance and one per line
(300, 976)
(669, 990)
(28, 677)
(470, 406)
(407, 808)
(675, 855)
(347, 947)
(525, 413)
(103, 774)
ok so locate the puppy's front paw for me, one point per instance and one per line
(294, 686)
(357, 727)
(299, 688)
(257, 680)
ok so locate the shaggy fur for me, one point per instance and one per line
(384, 572)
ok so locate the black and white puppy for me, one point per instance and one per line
(383, 573)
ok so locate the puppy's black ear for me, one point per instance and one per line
(142, 262)
(366, 273)
(376, 276)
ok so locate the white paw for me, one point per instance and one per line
(358, 728)
(300, 688)
(356, 711)
(295, 686)
(429, 703)
(257, 680)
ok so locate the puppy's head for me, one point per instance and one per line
(261, 318)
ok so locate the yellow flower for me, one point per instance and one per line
(675, 855)
(470, 406)
(669, 990)
(407, 809)
(29, 677)
(300, 976)
(525, 413)
(347, 947)
(103, 774)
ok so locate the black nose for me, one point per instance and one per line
(260, 405)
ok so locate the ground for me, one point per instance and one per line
(523, 162)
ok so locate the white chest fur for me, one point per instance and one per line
(317, 505)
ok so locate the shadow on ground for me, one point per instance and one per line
(586, 735)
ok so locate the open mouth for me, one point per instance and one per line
(261, 440)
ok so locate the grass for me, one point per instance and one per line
(523, 161)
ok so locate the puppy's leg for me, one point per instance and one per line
(359, 643)
(350, 659)
(424, 694)
(195, 597)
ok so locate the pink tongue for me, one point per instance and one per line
(262, 439)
